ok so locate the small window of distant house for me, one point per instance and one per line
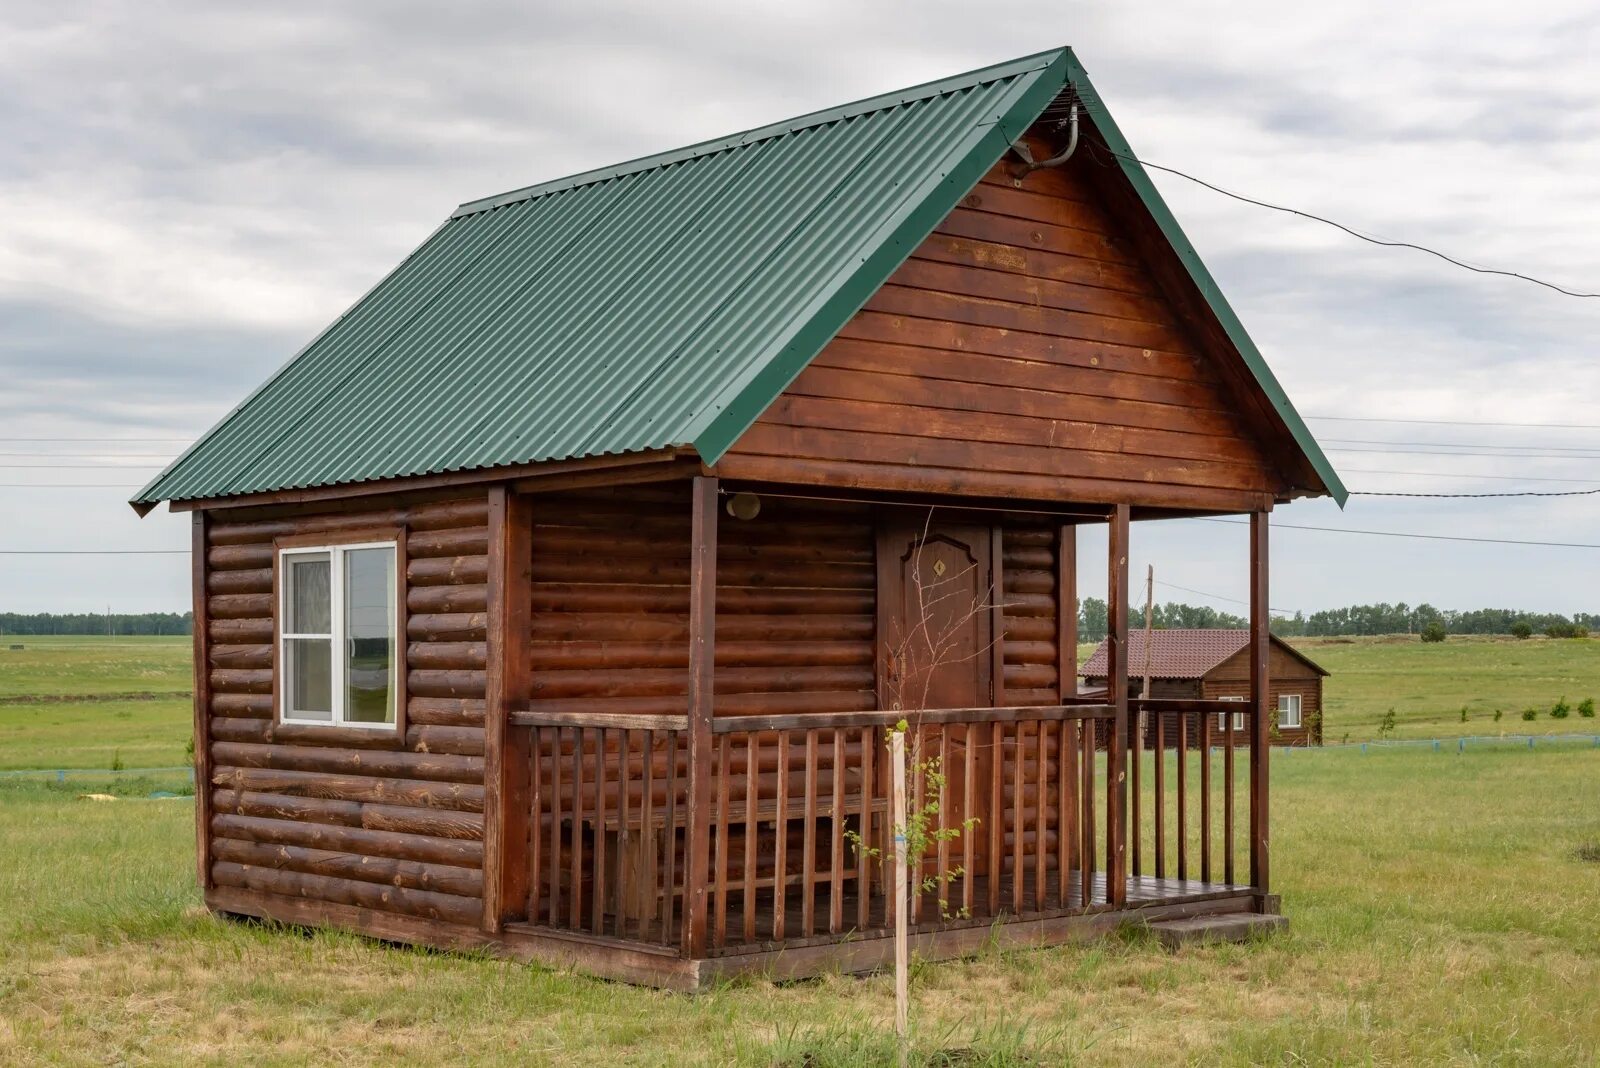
(1238, 717)
(337, 623)
(1289, 711)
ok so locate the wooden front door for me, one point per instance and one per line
(935, 642)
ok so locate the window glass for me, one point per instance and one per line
(1289, 710)
(310, 601)
(308, 669)
(369, 635)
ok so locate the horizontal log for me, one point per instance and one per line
(427, 822)
(246, 556)
(241, 656)
(447, 571)
(1030, 604)
(447, 599)
(633, 682)
(1022, 580)
(535, 716)
(1011, 714)
(461, 852)
(435, 767)
(447, 627)
(421, 516)
(241, 631)
(462, 797)
(445, 908)
(1020, 538)
(458, 741)
(608, 656)
(242, 705)
(240, 606)
(258, 581)
(863, 699)
(449, 740)
(1020, 652)
(413, 874)
(242, 680)
(457, 541)
(1029, 676)
(1025, 556)
(572, 626)
(1024, 696)
(1019, 628)
(447, 655)
(445, 711)
(432, 683)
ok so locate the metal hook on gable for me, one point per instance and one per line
(1029, 165)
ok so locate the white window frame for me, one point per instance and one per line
(338, 638)
(1286, 701)
(1238, 717)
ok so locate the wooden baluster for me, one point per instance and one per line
(598, 919)
(1019, 815)
(969, 793)
(647, 828)
(554, 916)
(808, 838)
(1086, 861)
(1040, 821)
(1183, 795)
(1063, 829)
(780, 852)
(1160, 800)
(869, 754)
(1227, 790)
(1205, 797)
(625, 874)
(536, 824)
(1135, 780)
(752, 758)
(997, 814)
(670, 881)
(943, 874)
(836, 839)
(719, 922)
(575, 909)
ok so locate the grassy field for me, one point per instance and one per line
(1445, 909)
(69, 665)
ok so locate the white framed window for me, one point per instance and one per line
(1238, 717)
(1289, 711)
(337, 638)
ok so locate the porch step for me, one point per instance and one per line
(1228, 927)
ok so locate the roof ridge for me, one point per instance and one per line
(866, 105)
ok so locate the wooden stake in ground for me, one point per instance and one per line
(897, 802)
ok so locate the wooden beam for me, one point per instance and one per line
(202, 702)
(1260, 742)
(508, 685)
(1117, 696)
(702, 655)
(1067, 610)
(997, 618)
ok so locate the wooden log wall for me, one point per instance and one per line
(1022, 351)
(380, 820)
(1031, 636)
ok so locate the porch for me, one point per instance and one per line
(672, 847)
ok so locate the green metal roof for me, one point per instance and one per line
(657, 303)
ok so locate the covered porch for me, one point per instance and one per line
(674, 848)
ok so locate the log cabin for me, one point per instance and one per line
(1214, 665)
(556, 598)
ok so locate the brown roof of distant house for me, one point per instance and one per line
(1181, 653)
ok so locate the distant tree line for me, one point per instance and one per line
(96, 623)
(1355, 620)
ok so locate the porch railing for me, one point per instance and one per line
(800, 824)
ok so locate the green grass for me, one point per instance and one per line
(48, 666)
(93, 734)
(1427, 685)
(1441, 913)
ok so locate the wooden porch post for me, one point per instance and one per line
(202, 699)
(508, 683)
(1117, 696)
(702, 654)
(1260, 740)
(1067, 609)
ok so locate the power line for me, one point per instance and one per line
(86, 455)
(1216, 596)
(77, 467)
(1352, 232)
(1425, 537)
(94, 552)
(1460, 445)
(63, 485)
(1454, 422)
(1522, 493)
(1460, 474)
(1494, 455)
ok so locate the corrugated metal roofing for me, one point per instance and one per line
(657, 303)
(1180, 653)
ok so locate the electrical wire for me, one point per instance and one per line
(1352, 232)
(1461, 474)
(1493, 455)
(1453, 422)
(94, 552)
(1218, 596)
(1462, 445)
(1402, 534)
(1521, 493)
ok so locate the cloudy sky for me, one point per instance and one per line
(192, 190)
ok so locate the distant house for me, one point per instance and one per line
(1214, 665)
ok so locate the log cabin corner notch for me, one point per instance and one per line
(633, 729)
